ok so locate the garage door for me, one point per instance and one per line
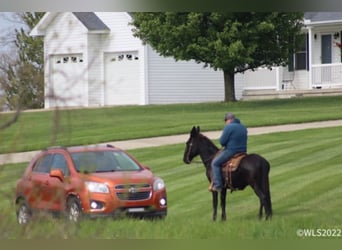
(122, 78)
(68, 80)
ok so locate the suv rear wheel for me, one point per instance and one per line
(23, 212)
(73, 210)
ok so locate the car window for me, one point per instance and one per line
(103, 161)
(43, 164)
(126, 162)
(59, 162)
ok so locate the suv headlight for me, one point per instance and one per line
(96, 187)
(158, 184)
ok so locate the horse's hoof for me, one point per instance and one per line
(268, 217)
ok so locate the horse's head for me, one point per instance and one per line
(192, 147)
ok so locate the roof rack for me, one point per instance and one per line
(56, 147)
(110, 146)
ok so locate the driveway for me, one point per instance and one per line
(175, 139)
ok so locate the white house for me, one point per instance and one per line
(315, 69)
(92, 59)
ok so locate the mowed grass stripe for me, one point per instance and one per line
(278, 146)
(284, 190)
(305, 189)
(309, 201)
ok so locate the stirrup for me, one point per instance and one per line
(210, 188)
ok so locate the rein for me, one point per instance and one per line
(203, 161)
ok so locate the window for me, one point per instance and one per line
(299, 60)
(103, 161)
(43, 164)
(59, 162)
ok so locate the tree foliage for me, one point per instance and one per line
(22, 75)
(231, 42)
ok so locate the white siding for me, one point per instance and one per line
(260, 78)
(96, 69)
(239, 86)
(182, 82)
(65, 36)
(301, 79)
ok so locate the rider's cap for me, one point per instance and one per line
(229, 116)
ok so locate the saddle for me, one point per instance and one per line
(229, 167)
(233, 163)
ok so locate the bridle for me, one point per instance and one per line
(188, 155)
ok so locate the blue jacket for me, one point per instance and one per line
(234, 137)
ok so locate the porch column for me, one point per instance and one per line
(310, 56)
(277, 78)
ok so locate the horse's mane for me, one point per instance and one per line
(210, 142)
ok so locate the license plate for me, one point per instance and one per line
(136, 209)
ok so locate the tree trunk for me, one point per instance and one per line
(229, 88)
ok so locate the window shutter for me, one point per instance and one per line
(290, 62)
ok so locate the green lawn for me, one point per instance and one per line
(36, 130)
(306, 192)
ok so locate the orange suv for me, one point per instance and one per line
(92, 181)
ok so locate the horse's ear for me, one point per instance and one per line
(198, 129)
(193, 131)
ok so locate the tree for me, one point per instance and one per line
(30, 48)
(22, 74)
(232, 42)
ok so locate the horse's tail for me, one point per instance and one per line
(265, 185)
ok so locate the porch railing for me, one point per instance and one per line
(327, 75)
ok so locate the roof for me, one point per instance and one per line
(322, 17)
(91, 21)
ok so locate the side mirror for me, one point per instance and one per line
(147, 167)
(57, 173)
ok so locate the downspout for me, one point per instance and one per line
(145, 69)
(310, 56)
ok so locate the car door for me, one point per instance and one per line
(39, 180)
(57, 187)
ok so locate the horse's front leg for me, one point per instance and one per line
(223, 204)
(215, 201)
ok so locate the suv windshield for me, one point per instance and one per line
(103, 161)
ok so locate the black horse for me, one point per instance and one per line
(253, 170)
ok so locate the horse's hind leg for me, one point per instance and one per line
(215, 202)
(268, 207)
(260, 210)
(262, 199)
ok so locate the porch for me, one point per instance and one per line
(274, 94)
(324, 79)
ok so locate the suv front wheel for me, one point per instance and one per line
(73, 210)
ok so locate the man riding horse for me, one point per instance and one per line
(234, 141)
